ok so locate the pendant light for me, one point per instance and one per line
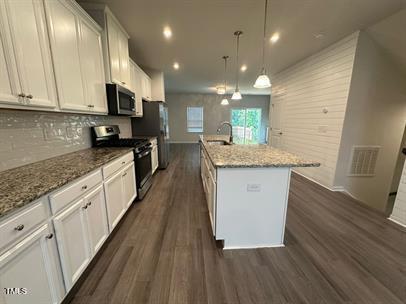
(225, 102)
(263, 81)
(237, 94)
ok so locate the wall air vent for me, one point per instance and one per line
(363, 160)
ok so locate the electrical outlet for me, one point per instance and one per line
(253, 187)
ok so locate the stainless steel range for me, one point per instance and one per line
(108, 136)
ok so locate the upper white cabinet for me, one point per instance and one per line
(115, 44)
(77, 56)
(136, 87)
(32, 264)
(26, 66)
(157, 85)
(146, 87)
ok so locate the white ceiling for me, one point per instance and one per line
(203, 33)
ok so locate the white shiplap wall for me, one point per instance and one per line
(305, 89)
(399, 209)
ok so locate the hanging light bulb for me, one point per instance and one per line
(225, 102)
(237, 94)
(263, 81)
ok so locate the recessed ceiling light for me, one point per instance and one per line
(167, 32)
(176, 66)
(243, 68)
(275, 37)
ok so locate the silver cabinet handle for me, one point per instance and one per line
(29, 96)
(19, 227)
(49, 236)
(84, 187)
(89, 204)
(123, 162)
(124, 174)
(84, 207)
(123, 82)
(22, 95)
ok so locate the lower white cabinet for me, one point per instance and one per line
(209, 187)
(96, 218)
(73, 241)
(120, 190)
(154, 156)
(29, 271)
(129, 188)
(113, 188)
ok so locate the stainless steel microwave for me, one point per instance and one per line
(120, 100)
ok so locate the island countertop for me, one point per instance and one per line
(250, 156)
(20, 186)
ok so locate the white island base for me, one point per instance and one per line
(251, 205)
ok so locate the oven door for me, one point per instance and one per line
(143, 167)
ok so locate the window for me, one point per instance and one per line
(246, 124)
(195, 119)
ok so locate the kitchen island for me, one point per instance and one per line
(247, 189)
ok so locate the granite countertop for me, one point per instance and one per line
(22, 185)
(250, 156)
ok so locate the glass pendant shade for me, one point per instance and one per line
(236, 95)
(225, 102)
(262, 82)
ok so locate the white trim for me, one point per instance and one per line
(253, 247)
(316, 182)
(396, 221)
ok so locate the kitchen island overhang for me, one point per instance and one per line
(247, 190)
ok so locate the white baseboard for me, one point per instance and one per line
(253, 247)
(397, 222)
(314, 181)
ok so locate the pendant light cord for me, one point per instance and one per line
(238, 48)
(225, 74)
(264, 38)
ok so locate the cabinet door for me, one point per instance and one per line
(149, 88)
(63, 24)
(130, 189)
(113, 188)
(211, 202)
(33, 265)
(31, 45)
(93, 68)
(73, 243)
(96, 218)
(154, 158)
(113, 33)
(124, 60)
(9, 83)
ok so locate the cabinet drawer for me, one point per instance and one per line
(118, 164)
(63, 197)
(19, 225)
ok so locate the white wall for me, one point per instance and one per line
(305, 89)
(376, 115)
(30, 136)
(213, 113)
(399, 209)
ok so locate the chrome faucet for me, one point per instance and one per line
(231, 129)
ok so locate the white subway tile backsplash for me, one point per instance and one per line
(28, 136)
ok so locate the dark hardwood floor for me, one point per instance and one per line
(337, 251)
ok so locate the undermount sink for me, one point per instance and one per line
(218, 142)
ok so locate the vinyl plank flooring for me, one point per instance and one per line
(337, 251)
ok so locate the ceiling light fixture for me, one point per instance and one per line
(167, 32)
(221, 90)
(243, 68)
(237, 94)
(225, 102)
(263, 81)
(176, 66)
(275, 37)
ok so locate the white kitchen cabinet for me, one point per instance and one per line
(96, 218)
(136, 75)
(129, 185)
(117, 52)
(154, 155)
(25, 39)
(116, 207)
(29, 271)
(73, 241)
(146, 87)
(77, 56)
(157, 85)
